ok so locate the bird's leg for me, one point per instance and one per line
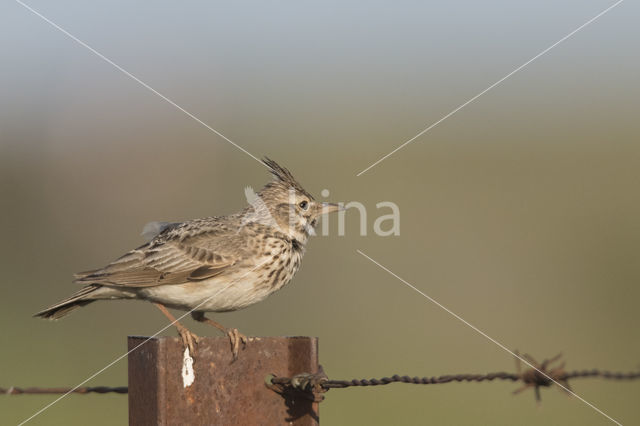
(235, 337)
(188, 338)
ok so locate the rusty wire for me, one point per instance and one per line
(340, 384)
(43, 391)
(314, 385)
(543, 375)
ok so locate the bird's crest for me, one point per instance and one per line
(284, 176)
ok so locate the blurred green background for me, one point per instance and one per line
(519, 213)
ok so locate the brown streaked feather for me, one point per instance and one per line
(205, 272)
(172, 261)
(62, 308)
(128, 258)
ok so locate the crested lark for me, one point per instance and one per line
(215, 264)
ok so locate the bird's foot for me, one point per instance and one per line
(235, 337)
(189, 339)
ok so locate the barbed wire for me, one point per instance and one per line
(314, 385)
(43, 391)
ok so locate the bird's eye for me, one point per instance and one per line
(304, 205)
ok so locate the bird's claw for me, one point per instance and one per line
(235, 337)
(189, 340)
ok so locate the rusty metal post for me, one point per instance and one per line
(223, 391)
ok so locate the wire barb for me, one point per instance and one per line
(310, 385)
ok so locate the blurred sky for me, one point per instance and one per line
(519, 213)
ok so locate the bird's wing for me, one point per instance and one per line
(153, 229)
(171, 261)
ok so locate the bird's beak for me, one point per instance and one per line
(330, 208)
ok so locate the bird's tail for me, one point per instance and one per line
(62, 308)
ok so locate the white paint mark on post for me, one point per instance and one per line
(188, 375)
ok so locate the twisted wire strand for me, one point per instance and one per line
(308, 381)
(339, 384)
(315, 385)
(610, 375)
(43, 391)
(332, 384)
